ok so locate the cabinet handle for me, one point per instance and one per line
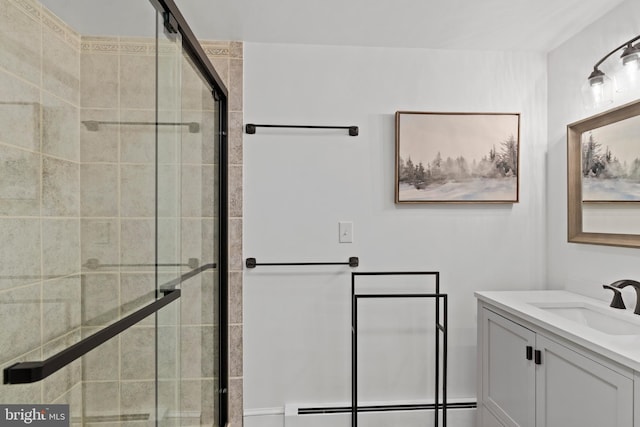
(538, 357)
(529, 352)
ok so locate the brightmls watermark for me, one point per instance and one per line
(34, 415)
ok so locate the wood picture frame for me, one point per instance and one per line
(457, 157)
(577, 165)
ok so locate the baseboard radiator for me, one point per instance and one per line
(460, 412)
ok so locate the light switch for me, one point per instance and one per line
(346, 231)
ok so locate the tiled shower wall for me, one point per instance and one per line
(39, 197)
(227, 58)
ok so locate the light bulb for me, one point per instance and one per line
(628, 76)
(597, 91)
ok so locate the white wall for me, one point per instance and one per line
(578, 267)
(299, 184)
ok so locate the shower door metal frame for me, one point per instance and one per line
(176, 21)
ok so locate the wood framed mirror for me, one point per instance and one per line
(603, 178)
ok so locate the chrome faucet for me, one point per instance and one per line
(621, 284)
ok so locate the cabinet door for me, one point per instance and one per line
(573, 390)
(508, 378)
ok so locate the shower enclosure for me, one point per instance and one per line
(112, 214)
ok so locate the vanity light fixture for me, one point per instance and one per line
(598, 90)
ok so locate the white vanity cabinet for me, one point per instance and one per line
(528, 377)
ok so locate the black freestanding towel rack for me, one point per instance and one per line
(440, 404)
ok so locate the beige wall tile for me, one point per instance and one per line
(168, 198)
(196, 94)
(101, 398)
(197, 300)
(100, 145)
(198, 396)
(210, 192)
(60, 187)
(137, 82)
(168, 82)
(138, 243)
(60, 128)
(60, 67)
(191, 301)
(169, 348)
(138, 142)
(235, 84)
(100, 298)
(102, 363)
(221, 65)
(99, 190)
(236, 131)
(60, 382)
(196, 358)
(137, 347)
(198, 238)
(235, 297)
(170, 133)
(73, 398)
(236, 49)
(235, 244)
(60, 246)
(169, 246)
(209, 127)
(192, 240)
(100, 240)
(19, 113)
(60, 307)
(21, 42)
(138, 397)
(235, 191)
(235, 350)
(191, 142)
(19, 182)
(192, 355)
(192, 190)
(21, 321)
(19, 252)
(136, 291)
(99, 74)
(235, 401)
(137, 190)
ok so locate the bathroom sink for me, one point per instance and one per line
(603, 319)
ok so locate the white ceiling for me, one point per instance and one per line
(532, 25)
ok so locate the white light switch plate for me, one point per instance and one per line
(346, 231)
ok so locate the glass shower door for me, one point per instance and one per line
(200, 240)
(170, 263)
(109, 195)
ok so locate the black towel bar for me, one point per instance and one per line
(251, 128)
(252, 263)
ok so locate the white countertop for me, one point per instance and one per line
(623, 349)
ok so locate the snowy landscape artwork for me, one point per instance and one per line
(457, 157)
(611, 162)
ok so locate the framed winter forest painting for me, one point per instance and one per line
(457, 157)
(611, 162)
